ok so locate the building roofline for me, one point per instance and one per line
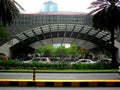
(60, 13)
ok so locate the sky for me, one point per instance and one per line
(34, 6)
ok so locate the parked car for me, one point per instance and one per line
(27, 61)
(105, 60)
(84, 61)
(42, 59)
(38, 59)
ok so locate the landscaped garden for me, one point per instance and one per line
(18, 66)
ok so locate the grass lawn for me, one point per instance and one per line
(63, 71)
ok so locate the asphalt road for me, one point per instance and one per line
(59, 88)
(62, 76)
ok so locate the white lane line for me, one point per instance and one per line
(55, 77)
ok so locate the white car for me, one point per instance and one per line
(84, 61)
(27, 61)
(38, 59)
(105, 60)
(42, 59)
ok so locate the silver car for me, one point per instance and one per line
(84, 61)
(38, 59)
(105, 60)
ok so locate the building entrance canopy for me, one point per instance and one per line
(32, 31)
(65, 33)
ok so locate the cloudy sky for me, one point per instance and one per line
(34, 6)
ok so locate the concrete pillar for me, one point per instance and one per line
(5, 48)
(117, 44)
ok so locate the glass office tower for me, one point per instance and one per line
(49, 6)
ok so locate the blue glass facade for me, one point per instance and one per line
(49, 6)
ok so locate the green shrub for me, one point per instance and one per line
(13, 64)
(10, 64)
(91, 66)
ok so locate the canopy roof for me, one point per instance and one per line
(64, 33)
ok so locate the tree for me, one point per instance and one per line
(106, 16)
(8, 11)
(74, 51)
(46, 50)
(3, 34)
(61, 52)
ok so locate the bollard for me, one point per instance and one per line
(119, 69)
(34, 73)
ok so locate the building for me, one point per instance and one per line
(49, 6)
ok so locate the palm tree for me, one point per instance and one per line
(8, 11)
(3, 34)
(106, 16)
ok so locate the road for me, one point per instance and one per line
(59, 88)
(62, 76)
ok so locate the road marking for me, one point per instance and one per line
(55, 77)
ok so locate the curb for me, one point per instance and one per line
(60, 83)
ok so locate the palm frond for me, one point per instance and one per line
(94, 11)
(8, 11)
(98, 22)
(97, 3)
(106, 16)
(118, 4)
(18, 5)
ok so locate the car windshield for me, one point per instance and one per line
(83, 61)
